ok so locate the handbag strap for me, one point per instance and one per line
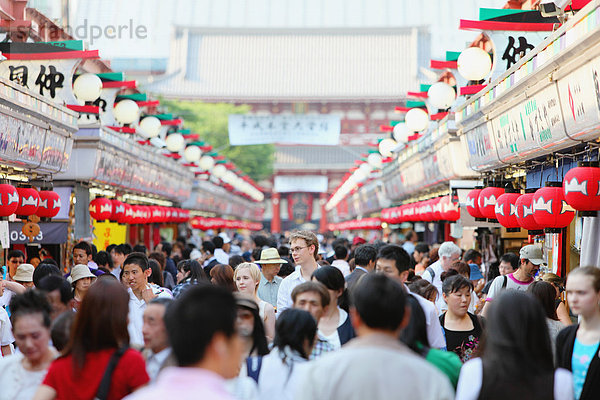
(104, 387)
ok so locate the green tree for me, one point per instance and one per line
(210, 121)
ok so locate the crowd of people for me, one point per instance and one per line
(297, 317)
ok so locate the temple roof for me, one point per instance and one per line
(309, 158)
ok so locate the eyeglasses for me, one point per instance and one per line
(297, 249)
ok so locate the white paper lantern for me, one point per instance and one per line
(149, 127)
(386, 146)
(360, 175)
(206, 163)
(229, 177)
(175, 142)
(441, 95)
(87, 87)
(126, 111)
(192, 153)
(417, 119)
(401, 133)
(219, 171)
(366, 167)
(474, 64)
(375, 160)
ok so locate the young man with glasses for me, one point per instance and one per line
(305, 247)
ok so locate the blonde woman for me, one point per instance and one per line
(247, 277)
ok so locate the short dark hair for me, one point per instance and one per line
(256, 253)
(160, 258)
(31, 302)
(218, 242)
(422, 248)
(379, 301)
(396, 253)
(409, 235)
(293, 328)
(43, 270)
(364, 254)
(110, 247)
(333, 279)
(56, 282)
(124, 249)
(312, 286)
(140, 248)
(204, 309)
(15, 253)
(166, 247)
(85, 246)
(103, 258)
(138, 259)
(341, 252)
(453, 282)
(283, 250)
(471, 255)
(207, 245)
(60, 331)
(235, 260)
(163, 301)
(511, 258)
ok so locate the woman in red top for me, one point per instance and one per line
(100, 329)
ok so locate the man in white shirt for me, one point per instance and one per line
(136, 272)
(340, 262)
(394, 262)
(376, 365)
(304, 248)
(157, 351)
(448, 253)
(220, 254)
(531, 257)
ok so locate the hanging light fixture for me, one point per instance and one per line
(126, 111)
(375, 160)
(87, 87)
(175, 142)
(417, 119)
(474, 64)
(386, 146)
(206, 163)
(441, 95)
(192, 153)
(401, 133)
(219, 171)
(149, 127)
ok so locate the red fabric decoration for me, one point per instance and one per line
(506, 210)
(101, 209)
(550, 208)
(49, 204)
(581, 188)
(29, 200)
(473, 204)
(487, 201)
(118, 211)
(9, 200)
(525, 217)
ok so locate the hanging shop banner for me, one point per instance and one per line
(50, 233)
(580, 94)
(510, 46)
(106, 233)
(302, 183)
(300, 207)
(481, 147)
(321, 129)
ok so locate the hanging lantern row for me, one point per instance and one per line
(545, 209)
(444, 208)
(205, 224)
(356, 224)
(26, 201)
(103, 209)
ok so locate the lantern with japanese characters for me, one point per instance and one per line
(473, 204)
(9, 199)
(525, 217)
(101, 209)
(450, 209)
(550, 209)
(506, 211)
(581, 187)
(118, 211)
(29, 200)
(128, 215)
(487, 202)
(49, 204)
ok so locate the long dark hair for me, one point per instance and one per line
(333, 279)
(546, 294)
(195, 269)
(259, 338)
(415, 333)
(101, 322)
(517, 347)
(293, 328)
(156, 276)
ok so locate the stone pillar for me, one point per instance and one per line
(276, 221)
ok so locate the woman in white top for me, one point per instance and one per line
(247, 278)
(22, 374)
(334, 325)
(516, 357)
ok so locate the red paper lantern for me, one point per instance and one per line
(550, 209)
(487, 201)
(9, 200)
(581, 187)
(473, 204)
(525, 217)
(118, 211)
(128, 215)
(450, 208)
(438, 209)
(29, 200)
(101, 209)
(49, 204)
(506, 210)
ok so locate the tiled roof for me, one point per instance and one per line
(311, 64)
(307, 158)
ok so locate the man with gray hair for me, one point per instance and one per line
(448, 253)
